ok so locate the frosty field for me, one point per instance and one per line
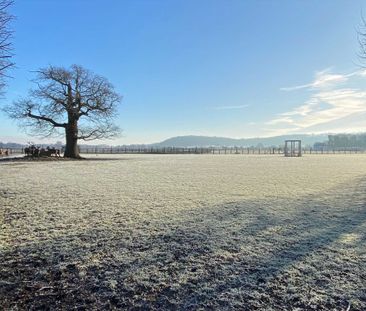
(186, 232)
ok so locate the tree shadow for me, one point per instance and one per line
(267, 254)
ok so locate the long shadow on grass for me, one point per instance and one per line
(254, 254)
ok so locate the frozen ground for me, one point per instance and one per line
(186, 232)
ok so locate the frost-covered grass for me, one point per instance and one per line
(184, 232)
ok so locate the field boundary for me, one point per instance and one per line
(196, 150)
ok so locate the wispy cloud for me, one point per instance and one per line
(325, 79)
(329, 102)
(281, 120)
(231, 107)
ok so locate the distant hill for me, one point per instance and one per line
(205, 141)
(11, 145)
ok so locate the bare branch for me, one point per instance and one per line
(6, 35)
(361, 36)
(46, 119)
(99, 131)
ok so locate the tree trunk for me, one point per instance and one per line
(72, 149)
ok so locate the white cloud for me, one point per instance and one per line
(280, 120)
(329, 103)
(303, 110)
(231, 107)
(324, 79)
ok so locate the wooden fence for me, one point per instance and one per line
(194, 150)
(212, 150)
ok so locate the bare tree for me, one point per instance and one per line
(74, 101)
(361, 34)
(5, 41)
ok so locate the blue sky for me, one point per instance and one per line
(219, 68)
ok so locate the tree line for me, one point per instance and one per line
(347, 141)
